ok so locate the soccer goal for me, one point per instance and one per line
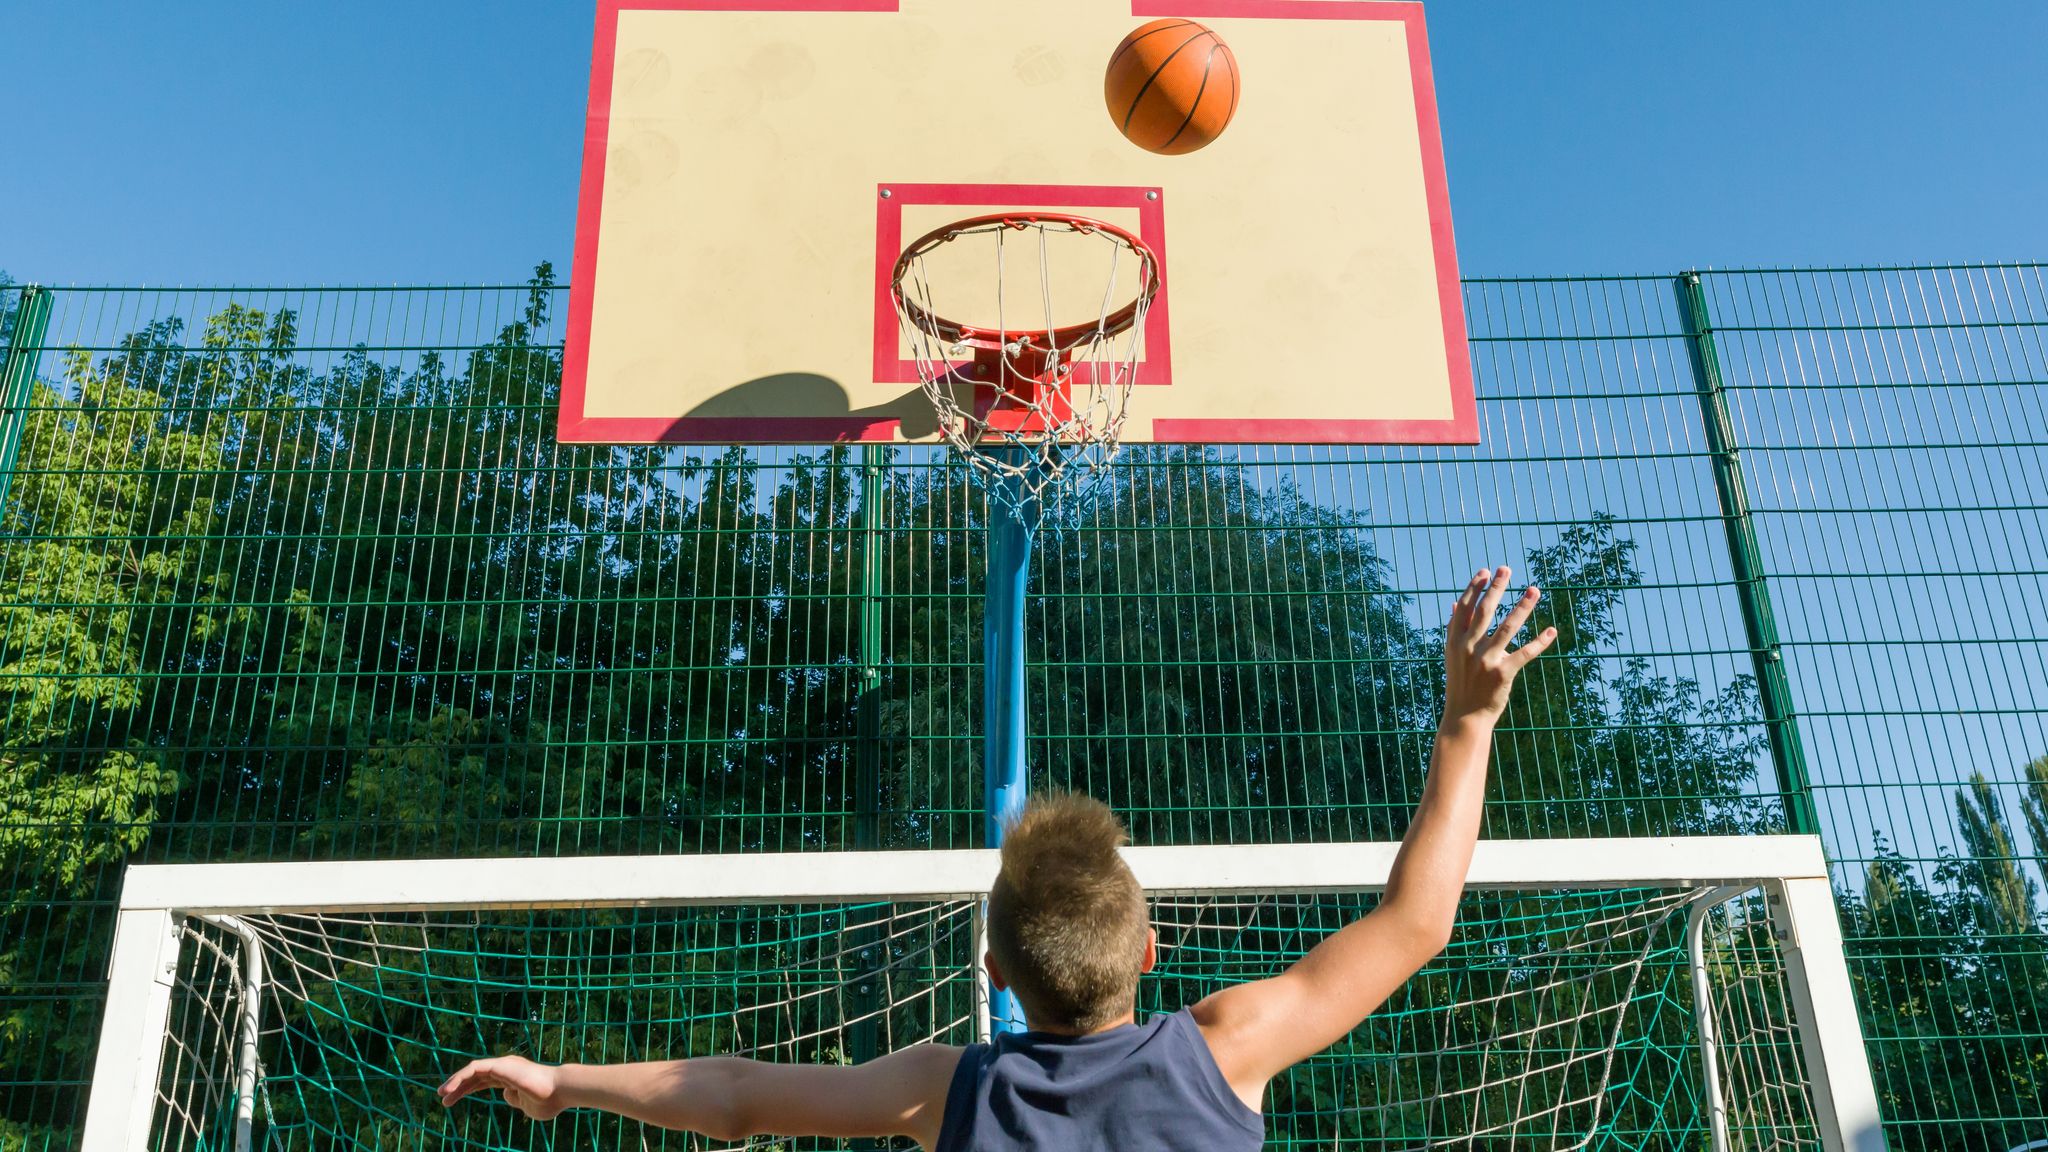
(1652, 994)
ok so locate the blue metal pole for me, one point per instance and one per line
(1014, 518)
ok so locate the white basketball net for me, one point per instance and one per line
(1029, 392)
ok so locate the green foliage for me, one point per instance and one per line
(42, 807)
(1227, 660)
(2034, 811)
(2003, 896)
(108, 567)
(1598, 746)
(1955, 977)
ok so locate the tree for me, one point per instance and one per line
(1953, 980)
(2003, 990)
(2034, 811)
(1900, 937)
(1594, 746)
(94, 553)
(1990, 865)
(1227, 660)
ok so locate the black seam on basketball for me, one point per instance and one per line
(1139, 97)
(1131, 43)
(1147, 86)
(1195, 105)
(1236, 85)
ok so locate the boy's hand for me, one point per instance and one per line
(1478, 668)
(535, 1089)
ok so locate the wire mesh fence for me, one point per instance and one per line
(304, 575)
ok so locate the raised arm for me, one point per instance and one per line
(1257, 1030)
(724, 1098)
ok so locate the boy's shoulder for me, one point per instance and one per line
(925, 1071)
(928, 1064)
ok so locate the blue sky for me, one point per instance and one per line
(313, 142)
(376, 142)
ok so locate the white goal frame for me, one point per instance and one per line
(155, 898)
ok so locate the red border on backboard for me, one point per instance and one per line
(1462, 428)
(891, 368)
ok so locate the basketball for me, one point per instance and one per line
(1171, 86)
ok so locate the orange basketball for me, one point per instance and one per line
(1171, 86)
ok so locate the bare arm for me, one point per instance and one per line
(1259, 1029)
(901, 1094)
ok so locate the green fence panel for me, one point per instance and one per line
(1894, 424)
(304, 575)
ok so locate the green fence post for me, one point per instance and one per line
(1745, 557)
(18, 377)
(867, 831)
(869, 946)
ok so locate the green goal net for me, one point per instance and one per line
(1653, 1015)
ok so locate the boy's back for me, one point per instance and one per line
(1150, 1087)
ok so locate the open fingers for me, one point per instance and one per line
(1495, 589)
(1534, 648)
(1519, 616)
(474, 1077)
(1467, 603)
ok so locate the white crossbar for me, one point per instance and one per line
(801, 877)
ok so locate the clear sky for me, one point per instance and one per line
(258, 142)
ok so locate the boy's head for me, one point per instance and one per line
(1067, 926)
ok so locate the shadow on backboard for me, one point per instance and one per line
(812, 407)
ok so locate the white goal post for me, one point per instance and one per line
(1783, 877)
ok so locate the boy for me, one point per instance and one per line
(1069, 934)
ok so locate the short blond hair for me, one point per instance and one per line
(1066, 918)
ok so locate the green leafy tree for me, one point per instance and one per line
(1952, 977)
(1594, 746)
(2003, 993)
(1227, 660)
(1901, 937)
(90, 552)
(1990, 865)
(2034, 811)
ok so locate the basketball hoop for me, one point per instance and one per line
(1033, 410)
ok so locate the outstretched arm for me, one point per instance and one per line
(1259, 1029)
(901, 1094)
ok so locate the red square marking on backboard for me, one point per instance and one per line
(1150, 203)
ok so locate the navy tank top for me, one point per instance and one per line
(1150, 1087)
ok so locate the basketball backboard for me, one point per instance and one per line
(753, 168)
